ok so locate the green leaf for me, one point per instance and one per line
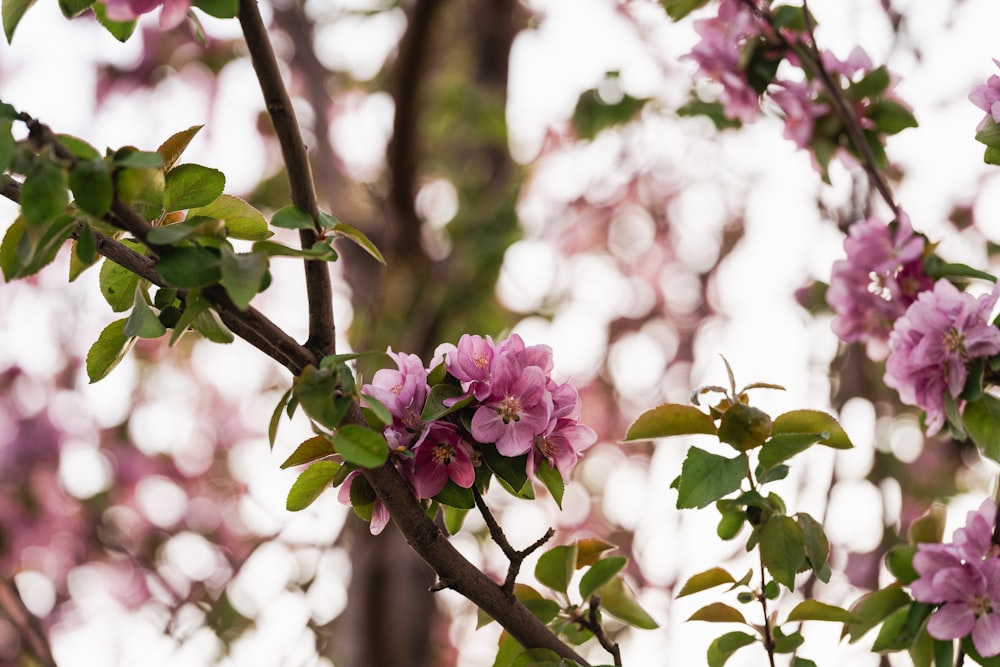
(434, 407)
(670, 419)
(716, 576)
(990, 134)
(982, 423)
(12, 11)
(210, 325)
(510, 469)
(310, 484)
(899, 562)
(117, 285)
(707, 477)
(594, 114)
(220, 9)
(355, 235)
(718, 612)
(315, 389)
(272, 427)
(378, 409)
(242, 274)
(292, 217)
(243, 221)
(722, 648)
(120, 30)
(26, 250)
(320, 250)
(135, 159)
(891, 117)
(361, 446)
(175, 232)
(90, 181)
(798, 661)
(174, 146)
(812, 421)
(550, 476)
(109, 348)
(816, 542)
(84, 252)
(929, 526)
(873, 83)
(678, 9)
(191, 186)
(782, 548)
(873, 608)
(141, 188)
(783, 446)
(142, 321)
(43, 194)
(538, 657)
(744, 427)
(7, 144)
(455, 496)
(189, 267)
(313, 449)
(893, 636)
(555, 567)
(453, 518)
(599, 574)
(814, 610)
(619, 601)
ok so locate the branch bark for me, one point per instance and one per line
(319, 289)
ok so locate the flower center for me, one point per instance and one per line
(877, 286)
(480, 360)
(443, 453)
(980, 605)
(954, 341)
(545, 446)
(510, 409)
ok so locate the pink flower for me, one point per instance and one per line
(932, 344)
(441, 455)
(403, 392)
(171, 15)
(987, 97)
(563, 442)
(470, 364)
(964, 578)
(877, 281)
(518, 408)
(718, 56)
(797, 101)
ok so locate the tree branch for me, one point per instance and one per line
(515, 557)
(319, 289)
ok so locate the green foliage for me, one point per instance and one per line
(594, 113)
(120, 30)
(44, 192)
(814, 610)
(142, 322)
(327, 221)
(723, 647)
(318, 391)
(702, 581)
(221, 9)
(670, 419)
(117, 285)
(90, 181)
(599, 574)
(872, 609)
(189, 267)
(242, 274)
(360, 446)
(707, 477)
(718, 612)
(817, 545)
(242, 220)
(782, 548)
(552, 479)
(191, 186)
(308, 451)
(678, 9)
(982, 422)
(812, 421)
(744, 427)
(555, 567)
(26, 250)
(509, 469)
(12, 11)
(292, 217)
(618, 600)
(310, 484)
(171, 149)
(110, 348)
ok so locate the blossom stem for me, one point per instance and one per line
(768, 637)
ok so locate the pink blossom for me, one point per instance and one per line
(403, 392)
(441, 455)
(877, 281)
(718, 56)
(987, 97)
(797, 101)
(470, 364)
(964, 578)
(932, 344)
(563, 442)
(518, 408)
(171, 15)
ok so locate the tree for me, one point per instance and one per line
(181, 253)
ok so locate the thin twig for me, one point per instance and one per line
(319, 289)
(768, 636)
(593, 623)
(515, 557)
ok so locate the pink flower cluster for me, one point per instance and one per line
(964, 578)
(931, 346)
(513, 401)
(878, 280)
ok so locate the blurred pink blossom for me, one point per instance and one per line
(987, 97)
(171, 15)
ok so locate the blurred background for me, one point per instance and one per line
(525, 167)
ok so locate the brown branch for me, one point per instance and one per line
(26, 623)
(515, 557)
(592, 622)
(454, 571)
(319, 289)
(402, 152)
